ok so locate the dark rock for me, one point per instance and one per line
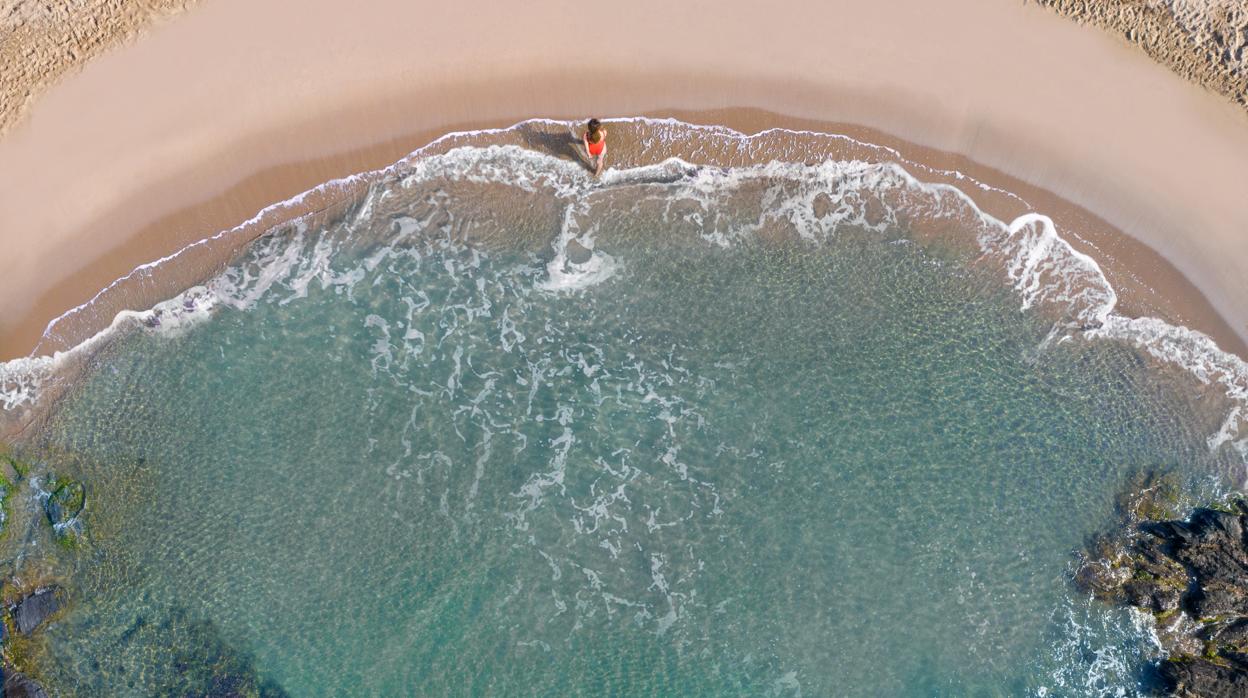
(1233, 634)
(1210, 545)
(65, 502)
(1157, 582)
(17, 685)
(1181, 571)
(196, 659)
(1102, 572)
(1141, 575)
(34, 609)
(1153, 595)
(578, 253)
(1205, 677)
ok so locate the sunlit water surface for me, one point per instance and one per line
(764, 466)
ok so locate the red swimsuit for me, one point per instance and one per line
(595, 149)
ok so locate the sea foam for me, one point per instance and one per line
(1040, 265)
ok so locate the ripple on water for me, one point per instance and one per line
(751, 444)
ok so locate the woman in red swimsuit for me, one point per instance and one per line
(595, 140)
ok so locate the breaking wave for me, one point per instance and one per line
(783, 195)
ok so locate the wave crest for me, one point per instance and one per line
(811, 200)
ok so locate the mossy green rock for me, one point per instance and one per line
(6, 494)
(37, 607)
(1198, 566)
(66, 502)
(1151, 496)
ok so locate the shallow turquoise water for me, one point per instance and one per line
(764, 467)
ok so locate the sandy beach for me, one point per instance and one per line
(328, 366)
(237, 105)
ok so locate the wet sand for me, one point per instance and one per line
(244, 104)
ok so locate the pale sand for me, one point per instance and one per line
(1205, 41)
(241, 103)
(40, 41)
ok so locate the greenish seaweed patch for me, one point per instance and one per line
(1180, 565)
(68, 539)
(7, 488)
(19, 652)
(65, 501)
(1151, 496)
(21, 468)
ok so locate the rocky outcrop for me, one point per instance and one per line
(34, 609)
(18, 685)
(30, 613)
(1204, 677)
(1192, 575)
(65, 502)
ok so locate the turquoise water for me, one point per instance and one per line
(396, 458)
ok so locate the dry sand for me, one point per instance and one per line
(40, 41)
(1205, 41)
(241, 103)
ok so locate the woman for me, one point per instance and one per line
(595, 140)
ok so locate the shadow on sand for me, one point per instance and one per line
(553, 139)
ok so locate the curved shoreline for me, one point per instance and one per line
(1111, 305)
(382, 208)
(1148, 283)
(155, 281)
(221, 136)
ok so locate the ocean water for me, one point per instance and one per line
(499, 429)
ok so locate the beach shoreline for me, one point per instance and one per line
(145, 174)
(1147, 283)
(153, 289)
(170, 177)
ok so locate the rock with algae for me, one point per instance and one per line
(18, 685)
(66, 502)
(1191, 574)
(1223, 676)
(37, 607)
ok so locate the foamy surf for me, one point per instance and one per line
(653, 399)
(565, 274)
(1041, 266)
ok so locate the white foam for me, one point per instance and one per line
(1200, 356)
(1042, 266)
(1088, 661)
(21, 379)
(566, 275)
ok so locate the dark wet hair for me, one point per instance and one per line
(594, 125)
